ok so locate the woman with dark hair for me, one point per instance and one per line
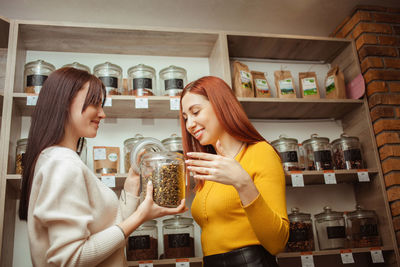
(240, 200)
(73, 218)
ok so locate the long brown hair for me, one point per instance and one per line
(228, 110)
(49, 118)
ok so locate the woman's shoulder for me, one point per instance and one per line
(261, 147)
(57, 155)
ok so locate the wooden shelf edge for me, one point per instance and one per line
(284, 255)
(165, 261)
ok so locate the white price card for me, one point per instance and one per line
(377, 256)
(363, 176)
(174, 103)
(31, 100)
(99, 153)
(307, 260)
(145, 263)
(141, 102)
(297, 179)
(108, 180)
(329, 177)
(108, 102)
(182, 263)
(347, 256)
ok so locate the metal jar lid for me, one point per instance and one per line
(107, 65)
(173, 139)
(147, 143)
(297, 216)
(133, 140)
(315, 140)
(38, 65)
(177, 221)
(359, 213)
(172, 69)
(345, 139)
(328, 215)
(78, 66)
(283, 140)
(142, 68)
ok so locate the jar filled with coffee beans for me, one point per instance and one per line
(142, 244)
(288, 149)
(178, 233)
(318, 154)
(331, 230)
(173, 143)
(128, 147)
(78, 66)
(20, 155)
(35, 74)
(142, 80)
(301, 237)
(347, 153)
(167, 173)
(362, 228)
(173, 80)
(111, 76)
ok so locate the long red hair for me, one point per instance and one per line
(228, 110)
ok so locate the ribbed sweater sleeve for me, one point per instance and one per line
(64, 210)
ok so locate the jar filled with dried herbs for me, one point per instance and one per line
(142, 80)
(142, 244)
(288, 149)
(20, 155)
(167, 173)
(347, 153)
(111, 76)
(318, 154)
(178, 233)
(301, 237)
(173, 80)
(35, 74)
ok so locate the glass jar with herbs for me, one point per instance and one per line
(142, 80)
(318, 154)
(301, 237)
(347, 153)
(288, 149)
(142, 244)
(178, 233)
(111, 76)
(35, 74)
(173, 80)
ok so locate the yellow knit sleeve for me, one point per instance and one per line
(267, 213)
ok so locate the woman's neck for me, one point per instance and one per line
(230, 145)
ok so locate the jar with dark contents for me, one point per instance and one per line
(35, 74)
(347, 153)
(20, 155)
(167, 173)
(142, 244)
(173, 143)
(301, 237)
(318, 154)
(128, 146)
(331, 230)
(178, 233)
(142, 80)
(362, 228)
(111, 76)
(173, 80)
(288, 149)
(78, 66)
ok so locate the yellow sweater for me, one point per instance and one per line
(227, 225)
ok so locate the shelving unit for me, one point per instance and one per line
(218, 49)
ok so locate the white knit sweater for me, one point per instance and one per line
(72, 215)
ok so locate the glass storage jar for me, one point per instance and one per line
(173, 143)
(318, 155)
(141, 147)
(111, 76)
(173, 80)
(78, 66)
(288, 148)
(20, 155)
(167, 173)
(142, 80)
(178, 233)
(35, 74)
(82, 149)
(143, 242)
(331, 229)
(301, 237)
(347, 153)
(128, 146)
(362, 228)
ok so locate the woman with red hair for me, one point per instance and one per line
(240, 193)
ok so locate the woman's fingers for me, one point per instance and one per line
(203, 156)
(201, 170)
(149, 190)
(199, 163)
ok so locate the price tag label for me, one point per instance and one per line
(108, 180)
(307, 260)
(174, 103)
(145, 263)
(31, 100)
(182, 263)
(99, 153)
(297, 179)
(141, 102)
(329, 177)
(347, 256)
(377, 256)
(363, 176)
(108, 102)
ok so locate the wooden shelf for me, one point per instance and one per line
(167, 261)
(330, 252)
(256, 108)
(108, 40)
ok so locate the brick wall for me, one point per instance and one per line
(376, 31)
